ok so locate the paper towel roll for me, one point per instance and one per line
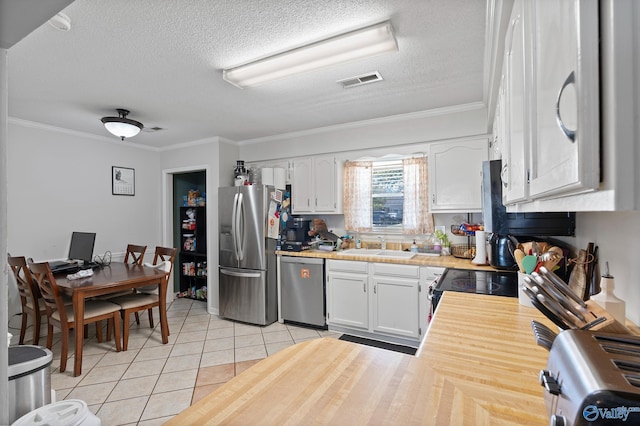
(279, 178)
(267, 176)
(481, 249)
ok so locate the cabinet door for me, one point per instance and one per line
(302, 186)
(455, 175)
(565, 142)
(324, 176)
(347, 300)
(515, 164)
(396, 306)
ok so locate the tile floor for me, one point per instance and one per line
(151, 382)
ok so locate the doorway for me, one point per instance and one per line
(189, 197)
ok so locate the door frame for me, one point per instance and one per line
(167, 219)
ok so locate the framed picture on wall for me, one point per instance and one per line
(123, 181)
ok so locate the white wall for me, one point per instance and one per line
(616, 235)
(60, 181)
(409, 129)
(4, 288)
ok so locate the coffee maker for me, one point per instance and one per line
(295, 235)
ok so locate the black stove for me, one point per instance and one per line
(497, 283)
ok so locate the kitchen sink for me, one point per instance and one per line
(358, 252)
(394, 254)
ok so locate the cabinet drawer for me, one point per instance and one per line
(391, 269)
(347, 266)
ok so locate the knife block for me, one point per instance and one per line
(610, 325)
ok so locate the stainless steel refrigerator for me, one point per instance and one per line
(247, 269)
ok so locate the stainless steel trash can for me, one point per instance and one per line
(29, 379)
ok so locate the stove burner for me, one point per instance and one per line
(473, 286)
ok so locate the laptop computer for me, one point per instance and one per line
(80, 253)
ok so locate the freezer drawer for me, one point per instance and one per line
(245, 296)
(303, 290)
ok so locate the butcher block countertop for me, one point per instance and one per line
(478, 364)
(418, 259)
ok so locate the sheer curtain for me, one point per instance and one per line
(416, 217)
(357, 196)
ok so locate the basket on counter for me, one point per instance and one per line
(463, 251)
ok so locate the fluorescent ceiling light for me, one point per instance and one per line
(358, 44)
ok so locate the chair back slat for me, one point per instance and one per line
(49, 288)
(135, 254)
(27, 288)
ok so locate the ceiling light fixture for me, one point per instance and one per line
(122, 126)
(60, 22)
(363, 43)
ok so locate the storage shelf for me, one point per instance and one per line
(193, 263)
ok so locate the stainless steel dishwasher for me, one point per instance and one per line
(303, 290)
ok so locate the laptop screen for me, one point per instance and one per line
(82, 246)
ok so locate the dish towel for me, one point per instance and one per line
(162, 266)
(80, 274)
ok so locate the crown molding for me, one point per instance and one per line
(104, 139)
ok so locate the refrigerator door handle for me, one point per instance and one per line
(234, 214)
(240, 274)
(240, 227)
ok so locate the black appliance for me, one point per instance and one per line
(496, 283)
(295, 235)
(503, 225)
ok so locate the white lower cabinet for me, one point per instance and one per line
(376, 300)
(347, 300)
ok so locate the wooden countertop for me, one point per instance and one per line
(419, 259)
(478, 364)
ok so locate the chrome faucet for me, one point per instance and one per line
(383, 243)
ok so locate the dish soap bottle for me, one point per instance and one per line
(607, 300)
(414, 247)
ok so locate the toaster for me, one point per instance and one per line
(592, 378)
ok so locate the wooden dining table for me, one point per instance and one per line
(113, 278)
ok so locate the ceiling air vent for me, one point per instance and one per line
(151, 129)
(359, 80)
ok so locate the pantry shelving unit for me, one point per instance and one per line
(193, 253)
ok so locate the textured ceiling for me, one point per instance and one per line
(163, 60)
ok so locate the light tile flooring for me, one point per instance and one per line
(151, 382)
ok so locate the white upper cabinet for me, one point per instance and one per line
(302, 195)
(565, 113)
(514, 92)
(567, 106)
(455, 175)
(326, 185)
(316, 184)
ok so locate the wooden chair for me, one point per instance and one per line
(62, 315)
(135, 254)
(146, 298)
(30, 298)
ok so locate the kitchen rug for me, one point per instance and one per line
(377, 344)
